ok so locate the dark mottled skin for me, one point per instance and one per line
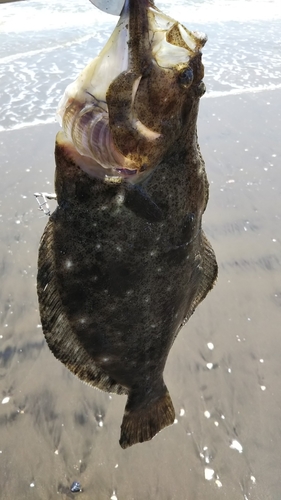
(122, 266)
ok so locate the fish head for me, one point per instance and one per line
(129, 106)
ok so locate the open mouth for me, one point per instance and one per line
(143, 37)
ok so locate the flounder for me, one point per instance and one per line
(123, 261)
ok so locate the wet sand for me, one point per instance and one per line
(224, 369)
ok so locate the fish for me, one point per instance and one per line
(123, 261)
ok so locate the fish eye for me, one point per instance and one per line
(185, 76)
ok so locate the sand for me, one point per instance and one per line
(223, 372)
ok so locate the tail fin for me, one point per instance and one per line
(141, 423)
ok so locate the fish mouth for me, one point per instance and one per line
(104, 114)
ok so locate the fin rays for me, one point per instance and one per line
(143, 423)
(57, 330)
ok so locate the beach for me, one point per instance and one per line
(223, 371)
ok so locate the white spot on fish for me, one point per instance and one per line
(209, 365)
(207, 414)
(218, 483)
(118, 248)
(182, 412)
(113, 497)
(68, 263)
(98, 246)
(209, 473)
(32, 485)
(119, 199)
(5, 400)
(210, 345)
(263, 388)
(235, 445)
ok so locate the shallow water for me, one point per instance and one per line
(223, 372)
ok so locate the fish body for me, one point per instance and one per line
(123, 261)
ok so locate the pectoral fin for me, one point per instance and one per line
(138, 200)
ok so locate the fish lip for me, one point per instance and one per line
(140, 48)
